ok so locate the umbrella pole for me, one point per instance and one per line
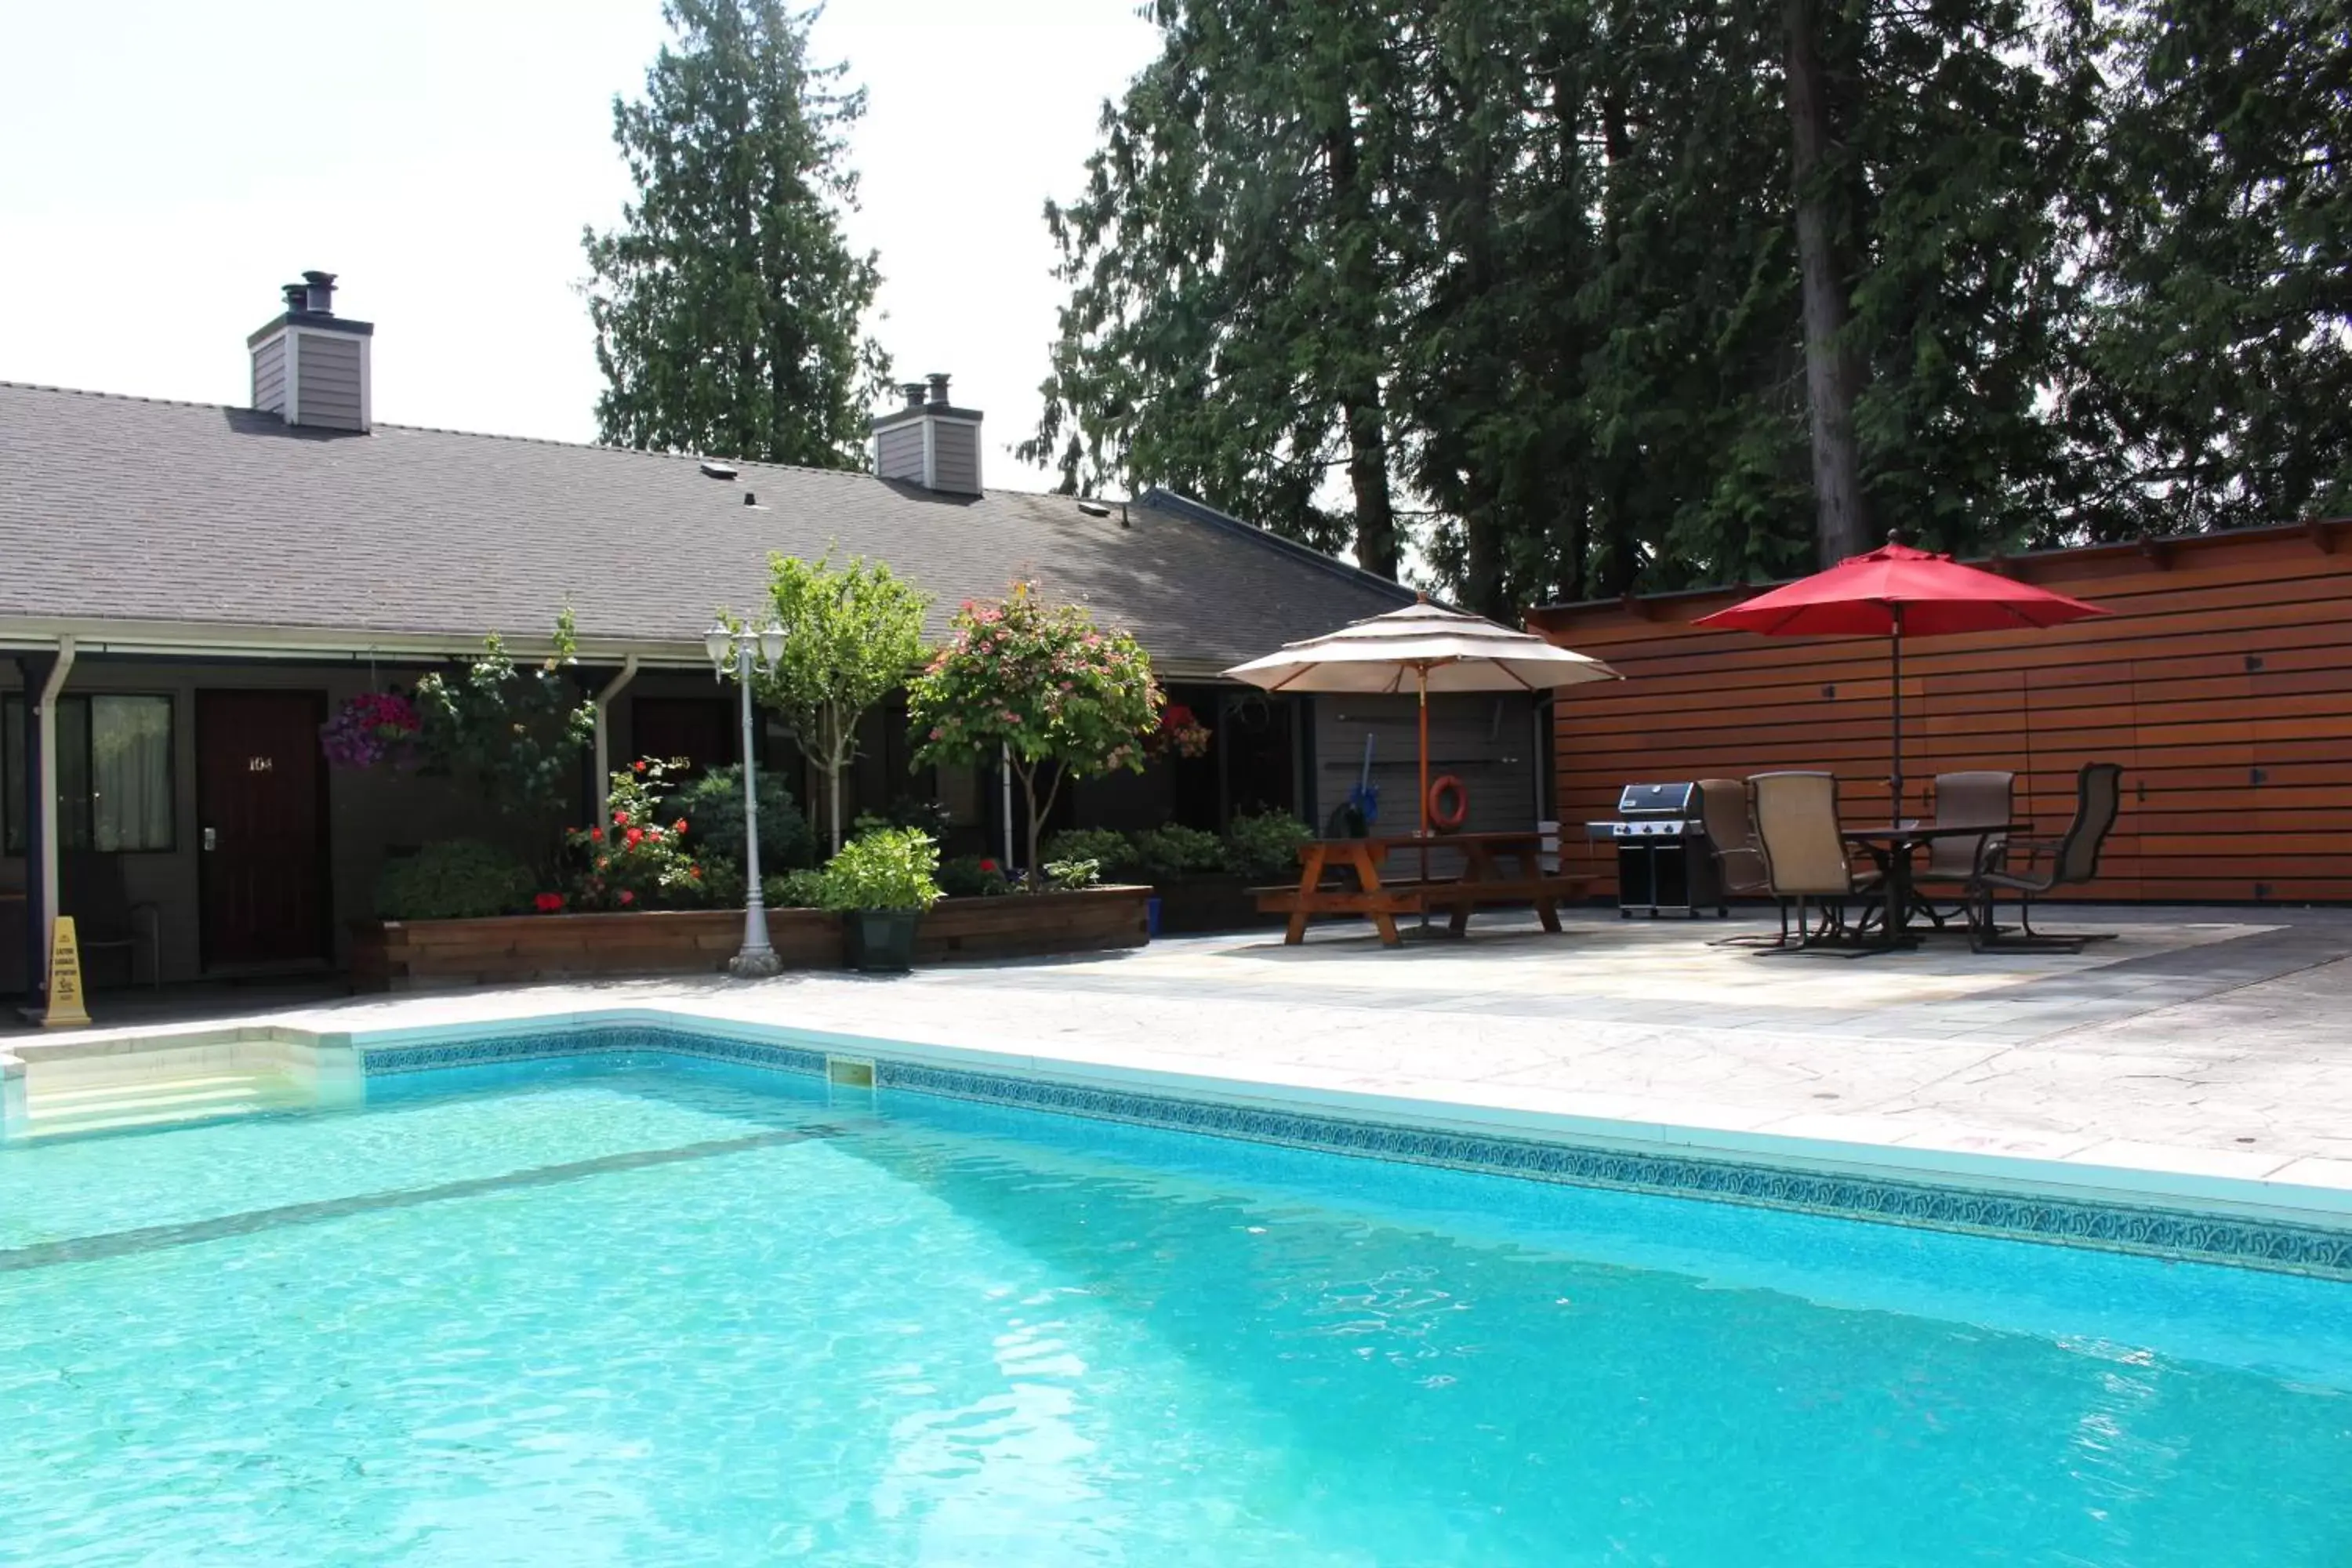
(1421, 682)
(1895, 818)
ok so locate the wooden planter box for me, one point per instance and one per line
(504, 950)
(1030, 925)
(1208, 904)
(420, 956)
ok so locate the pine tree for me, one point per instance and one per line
(1593, 296)
(2214, 387)
(726, 305)
(1231, 265)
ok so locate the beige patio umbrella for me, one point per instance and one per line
(1423, 648)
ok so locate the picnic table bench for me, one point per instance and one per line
(1484, 881)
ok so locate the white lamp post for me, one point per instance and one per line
(752, 651)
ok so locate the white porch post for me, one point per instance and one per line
(604, 737)
(46, 715)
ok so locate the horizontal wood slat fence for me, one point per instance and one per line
(2221, 681)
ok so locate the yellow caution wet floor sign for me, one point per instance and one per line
(65, 1009)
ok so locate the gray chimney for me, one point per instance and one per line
(930, 442)
(311, 365)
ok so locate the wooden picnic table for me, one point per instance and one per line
(1484, 881)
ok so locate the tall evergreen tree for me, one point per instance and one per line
(1589, 296)
(727, 304)
(1231, 263)
(2214, 385)
(1820, 38)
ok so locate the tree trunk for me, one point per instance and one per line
(1035, 869)
(836, 758)
(1358, 381)
(1831, 376)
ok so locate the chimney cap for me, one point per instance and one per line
(913, 391)
(939, 387)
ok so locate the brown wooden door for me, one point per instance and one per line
(261, 843)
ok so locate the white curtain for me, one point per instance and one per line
(130, 771)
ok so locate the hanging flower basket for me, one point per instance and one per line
(372, 729)
(1181, 732)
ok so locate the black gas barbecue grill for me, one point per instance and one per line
(1665, 862)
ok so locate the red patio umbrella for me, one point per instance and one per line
(1894, 592)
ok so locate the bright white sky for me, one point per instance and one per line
(171, 163)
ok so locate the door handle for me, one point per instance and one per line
(212, 840)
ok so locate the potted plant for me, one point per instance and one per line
(880, 884)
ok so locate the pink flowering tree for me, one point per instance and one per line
(1041, 686)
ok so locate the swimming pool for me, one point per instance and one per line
(631, 1310)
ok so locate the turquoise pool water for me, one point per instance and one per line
(633, 1313)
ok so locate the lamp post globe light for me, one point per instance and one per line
(750, 652)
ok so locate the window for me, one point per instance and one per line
(114, 772)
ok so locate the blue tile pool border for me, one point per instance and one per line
(2144, 1229)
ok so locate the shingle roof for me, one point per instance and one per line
(126, 508)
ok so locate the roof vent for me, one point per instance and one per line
(310, 366)
(751, 500)
(930, 442)
(1093, 509)
(718, 470)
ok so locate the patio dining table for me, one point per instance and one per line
(1485, 879)
(1892, 847)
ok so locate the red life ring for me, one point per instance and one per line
(1443, 820)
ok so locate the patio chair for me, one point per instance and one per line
(2038, 867)
(1978, 799)
(1804, 855)
(90, 888)
(1731, 836)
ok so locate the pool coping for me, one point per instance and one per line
(2255, 1222)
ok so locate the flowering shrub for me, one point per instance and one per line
(1065, 699)
(1181, 732)
(636, 861)
(370, 730)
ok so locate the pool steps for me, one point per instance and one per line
(83, 1084)
(143, 1103)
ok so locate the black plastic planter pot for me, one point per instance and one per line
(881, 941)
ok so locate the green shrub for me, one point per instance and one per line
(722, 883)
(1070, 876)
(973, 877)
(457, 880)
(800, 890)
(1171, 854)
(907, 811)
(712, 805)
(1111, 851)
(892, 869)
(1266, 846)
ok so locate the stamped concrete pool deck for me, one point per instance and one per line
(2200, 1047)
